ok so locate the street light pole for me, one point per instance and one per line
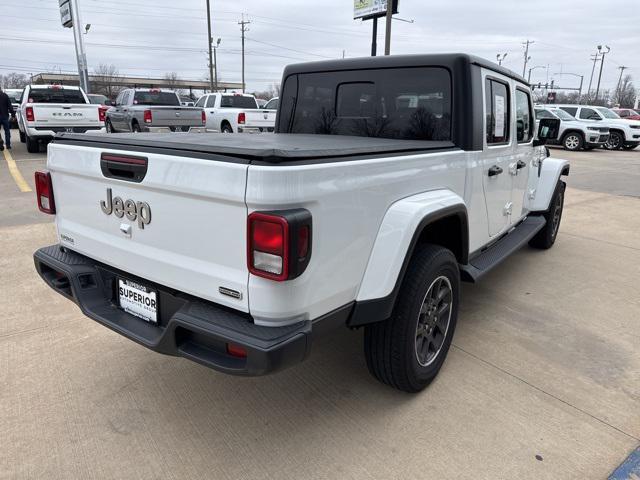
(500, 58)
(533, 68)
(210, 41)
(215, 65)
(83, 70)
(581, 81)
(601, 65)
(387, 38)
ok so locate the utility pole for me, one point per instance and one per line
(526, 54)
(622, 69)
(595, 57)
(387, 38)
(603, 53)
(243, 28)
(210, 41)
(374, 37)
(215, 65)
(81, 55)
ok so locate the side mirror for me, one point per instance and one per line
(547, 130)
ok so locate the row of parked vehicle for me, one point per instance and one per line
(44, 110)
(585, 127)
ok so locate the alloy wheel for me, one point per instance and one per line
(433, 320)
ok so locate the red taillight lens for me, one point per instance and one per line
(102, 113)
(44, 193)
(204, 118)
(242, 118)
(148, 118)
(279, 243)
(30, 116)
(236, 350)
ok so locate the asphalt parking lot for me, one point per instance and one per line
(542, 382)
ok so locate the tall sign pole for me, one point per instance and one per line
(372, 10)
(70, 18)
(387, 35)
(210, 41)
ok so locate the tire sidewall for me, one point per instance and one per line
(445, 265)
(610, 146)
(569, 135)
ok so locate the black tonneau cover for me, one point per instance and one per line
(267, 147)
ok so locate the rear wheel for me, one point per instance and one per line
(32, 145)
(226, 128)
(546, 237)
(407, 350)
(615, 141)
(572, 141)
(109, 127)
(135, 128)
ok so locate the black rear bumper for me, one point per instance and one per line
(187, 326)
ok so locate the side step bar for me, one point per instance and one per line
(487, 259)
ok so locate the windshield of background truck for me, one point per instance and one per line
(55, 95)
(156, 98)
(606, 113)
(14, 97)
(403, 103)
(238, 101)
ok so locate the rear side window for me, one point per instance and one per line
(589, 114)
(156, 98)
(543, 114)
(570, 110)
(55, 95)
(272, 104)
(211, 101)
(200, 102)
(406, 103)
(524, 118)
(238, 101)
(497, 112)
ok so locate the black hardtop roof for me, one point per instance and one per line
(448, 60)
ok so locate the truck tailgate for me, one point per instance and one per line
(59, 114)
(194, 240)
(260, 118)
(176, 116)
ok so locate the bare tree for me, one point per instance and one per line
(14, 80)
(173, 79)
(272, 91)
(626, 94)
(106, 80)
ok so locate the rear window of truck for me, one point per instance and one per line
(238, 101)
(399, 103)
(156, 98)
(55, 95)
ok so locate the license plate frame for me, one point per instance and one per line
(138, 299)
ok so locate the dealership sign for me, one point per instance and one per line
(65, 13)
(366, 9)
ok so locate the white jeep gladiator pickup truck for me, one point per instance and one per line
(49, 109)
(388, 181)
(235, 113)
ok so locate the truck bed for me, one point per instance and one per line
(267, 148)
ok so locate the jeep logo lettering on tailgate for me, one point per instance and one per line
(140, 211)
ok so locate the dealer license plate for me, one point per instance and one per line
(138, 300)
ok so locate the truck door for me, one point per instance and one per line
(115, 114)
(521, 166)
(498, 153)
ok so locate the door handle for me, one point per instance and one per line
(520, 164)
(495, 170)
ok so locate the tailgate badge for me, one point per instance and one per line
(140, 211)
(230, 293)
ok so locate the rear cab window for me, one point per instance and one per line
(403, 103)
(238, 101)
(55, 95)
(156, 98)
(497, 112)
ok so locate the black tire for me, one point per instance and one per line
(135, 128)
(546, 237)
(573, 141)
(226, 128)
(629, 147)
(109, 127)
(32, 145)
(615, 142)
(392, 347)
(23, 137)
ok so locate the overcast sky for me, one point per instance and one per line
(145, 38)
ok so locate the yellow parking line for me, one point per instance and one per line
(15, 173)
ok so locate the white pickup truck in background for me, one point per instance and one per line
(236, 113)
(48, 109)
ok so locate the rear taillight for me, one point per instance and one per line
(279, 243)
(204, 117)
(30, 116)
(148, 118)
(44, 193)
(242, 118)
(102, 113)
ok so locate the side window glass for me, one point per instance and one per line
(200, 102)
(524, 122)
(589, 114)
(119, 99)
(211, 101)
(570, 110)
(497, 112)
(543, 114)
